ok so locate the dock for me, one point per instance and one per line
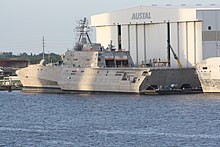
(10, 83)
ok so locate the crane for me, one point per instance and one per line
(169, 47)
(176, 57)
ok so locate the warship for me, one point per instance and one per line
(89, 67)
(209, 74)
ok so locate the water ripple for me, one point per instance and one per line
(143, 132)
(108, 120)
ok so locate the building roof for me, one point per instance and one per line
(156, 13)
(145, 14)
(196, 6)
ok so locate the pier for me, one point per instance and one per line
(10, 83)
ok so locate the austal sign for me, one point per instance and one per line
(141, 15)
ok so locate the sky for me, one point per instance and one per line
(23, 23)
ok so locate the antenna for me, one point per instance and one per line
(43, 46)
(83, 30)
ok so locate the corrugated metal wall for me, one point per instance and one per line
(149, 41)
(210, 32)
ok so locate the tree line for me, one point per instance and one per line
(31, 58)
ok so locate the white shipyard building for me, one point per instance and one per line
(143, 31)
(210, 30)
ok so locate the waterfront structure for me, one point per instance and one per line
(9, 66)
(12, 63)
(142, 30)
(195, 32)
(210, 17)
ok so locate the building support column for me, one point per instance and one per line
(136, 27)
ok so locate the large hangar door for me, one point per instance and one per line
(119, 37)
(156, 40)
(190, 43)
(133, 43)
(125, 39)
(141, 43)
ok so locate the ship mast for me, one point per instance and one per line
(83, 30)
(43, 42)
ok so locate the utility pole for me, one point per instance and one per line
(43, 46)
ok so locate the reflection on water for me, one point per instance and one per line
(109, 120)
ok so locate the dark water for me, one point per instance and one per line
(28, 120)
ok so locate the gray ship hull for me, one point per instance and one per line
(172, 81)
(89, 80)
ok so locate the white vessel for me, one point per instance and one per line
(88, 67)
(91, 68)
(209, 74)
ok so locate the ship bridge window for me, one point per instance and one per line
(205, 68)
(122, 63)
(110, 63)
